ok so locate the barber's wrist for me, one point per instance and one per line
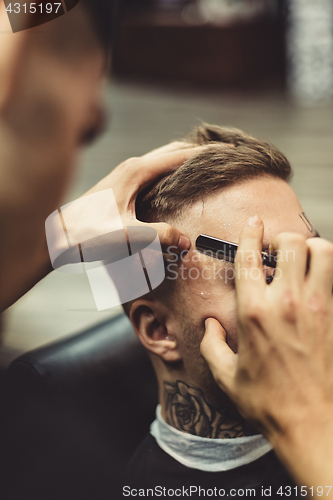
(309, 431)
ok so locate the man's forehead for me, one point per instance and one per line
(223, 213)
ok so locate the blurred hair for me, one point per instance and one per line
(209, 170)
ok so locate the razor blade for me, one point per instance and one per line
(225, 250)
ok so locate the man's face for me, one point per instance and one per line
(205, 287)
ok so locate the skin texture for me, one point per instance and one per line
(171, 325)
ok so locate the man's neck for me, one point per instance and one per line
(186, 408)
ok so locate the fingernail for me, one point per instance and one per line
(184, 243)
(254, 221)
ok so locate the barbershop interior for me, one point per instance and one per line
(80, 387)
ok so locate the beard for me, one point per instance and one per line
(195, 366)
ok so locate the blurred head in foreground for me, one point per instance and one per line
(51, 81)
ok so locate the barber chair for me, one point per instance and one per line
(73, 412)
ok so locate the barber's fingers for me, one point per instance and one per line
(168, 148)
(176, 146)
(137, 173)
(320, 276)
(154, 167)
(249, 274)
(292, 254)
(169, 236)
(220, 358)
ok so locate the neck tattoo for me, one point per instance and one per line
(187, 410)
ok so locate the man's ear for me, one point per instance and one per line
(149, 321)
(12, 52)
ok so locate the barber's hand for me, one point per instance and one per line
(103, 235)
(133, 175)
(282, 377)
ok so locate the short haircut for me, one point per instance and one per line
(213, 168)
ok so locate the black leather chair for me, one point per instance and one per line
(74, 412)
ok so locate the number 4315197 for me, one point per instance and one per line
(33, 8)
(287, 491)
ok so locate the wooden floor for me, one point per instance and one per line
(143, 118)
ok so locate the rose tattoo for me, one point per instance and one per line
(188, 411)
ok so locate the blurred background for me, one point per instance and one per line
(265, 66)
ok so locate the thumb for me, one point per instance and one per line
(220, 358)
(171, 237)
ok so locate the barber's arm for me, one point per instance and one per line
(282, 376)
